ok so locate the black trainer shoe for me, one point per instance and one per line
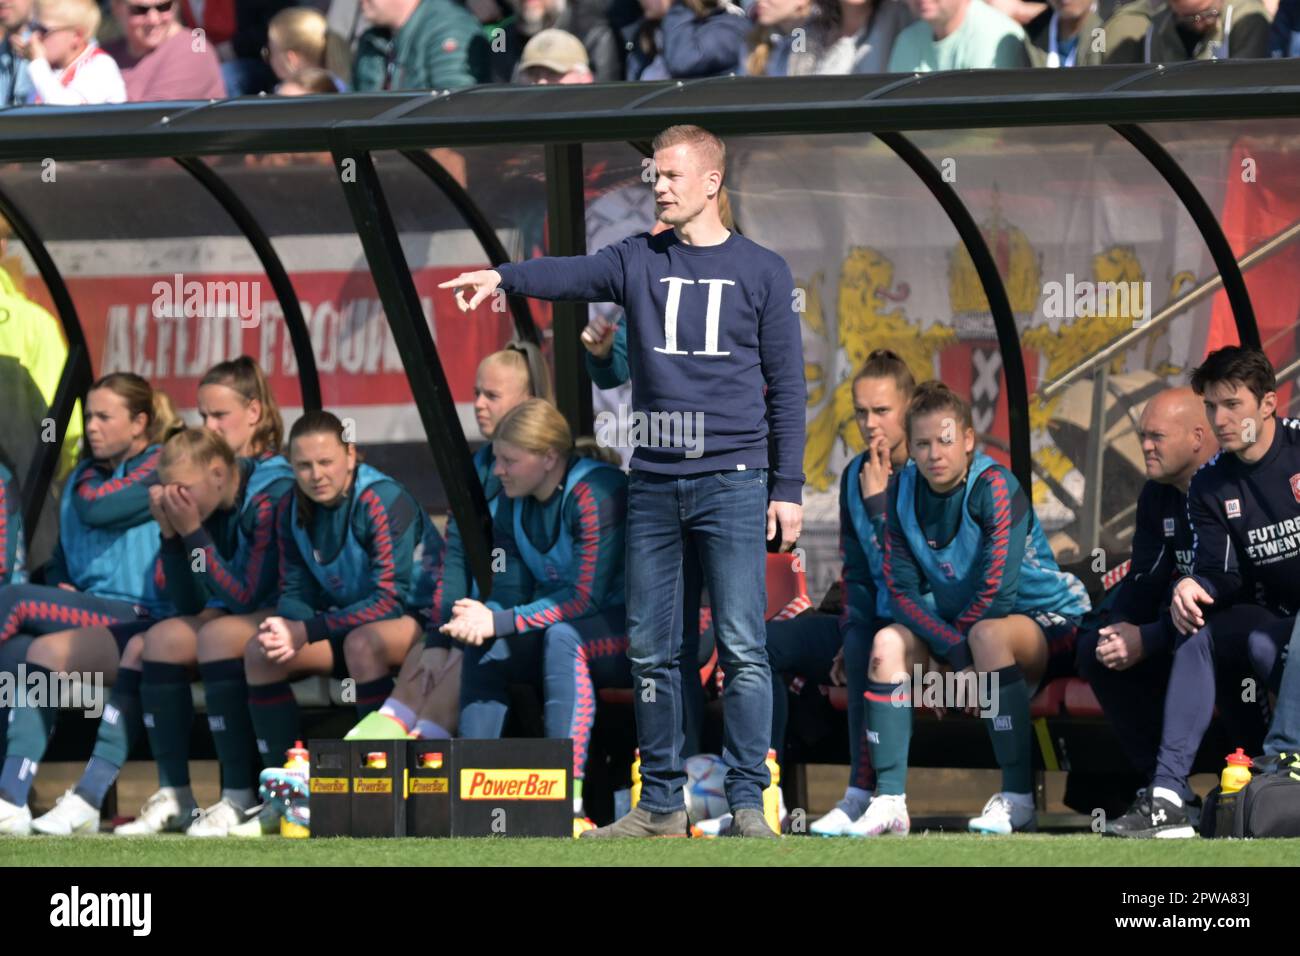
(641, 822)
(1153, 817)
(749, 822)
(1140, 805)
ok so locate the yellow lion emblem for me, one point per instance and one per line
(1084, 336)
(869, 317)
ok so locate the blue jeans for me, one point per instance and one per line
(1284, 731)
(724, 514)
(692, 690)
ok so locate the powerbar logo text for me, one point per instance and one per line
(512, 784)
(428, 785)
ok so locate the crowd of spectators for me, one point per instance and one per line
(85, 51)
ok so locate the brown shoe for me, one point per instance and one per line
(749, 822)
(642, 823)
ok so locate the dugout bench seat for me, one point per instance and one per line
(1070, 728)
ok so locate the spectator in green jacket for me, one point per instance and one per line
(1171, 31)
(419, 45)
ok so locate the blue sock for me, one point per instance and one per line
(95, 780)
(119, 728)
(30, 729)
(16, 778)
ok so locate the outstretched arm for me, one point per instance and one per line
(594, 278)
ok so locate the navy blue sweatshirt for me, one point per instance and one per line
(1163, 552)
(743, 371)
(1247, 523)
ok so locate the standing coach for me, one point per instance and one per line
(713, 339)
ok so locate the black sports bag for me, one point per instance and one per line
(1269, 806)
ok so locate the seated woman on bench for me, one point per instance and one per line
(102, 589)
(961, 524)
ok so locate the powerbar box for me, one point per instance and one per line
(441, 788)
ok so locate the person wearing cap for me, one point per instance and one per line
(588, 20)
(419, 45)
(1170, 31)
(553, 57)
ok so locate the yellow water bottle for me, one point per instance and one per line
(1236, 774)
(299, 763)
(772, 795)
(636, 778)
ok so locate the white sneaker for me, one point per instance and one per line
(162, 813)
(70, 816)
(14, 820)
(1006, 813)
(260, 821)
(832, 824)
(217, 820)
(886, 815)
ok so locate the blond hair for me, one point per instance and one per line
(724, 209)
(305, 31)
(535, 426)
(588, 447)
(82, 15)
(526, 359)
(708, 148)
(198, 446)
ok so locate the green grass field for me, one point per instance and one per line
(917, 850)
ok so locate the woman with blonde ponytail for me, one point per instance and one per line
(425, 702)
(215, 515)
(559, 601)
(103, 585)
(225, 485)
(215, 504)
